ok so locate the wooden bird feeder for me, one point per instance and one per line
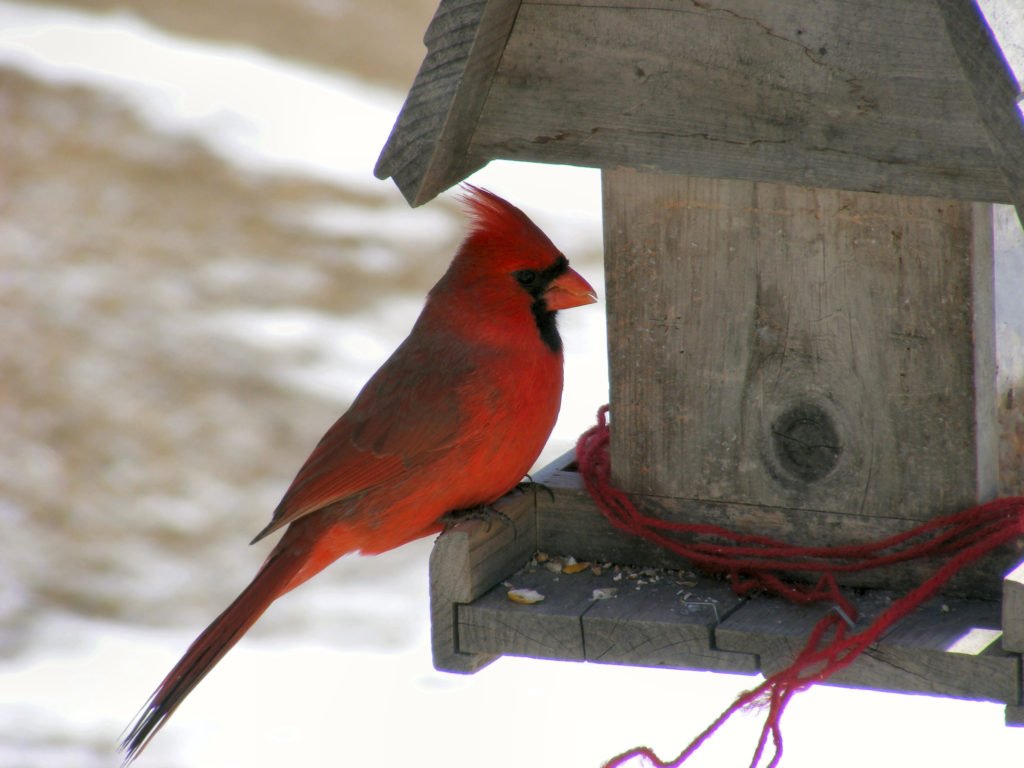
(798, 252)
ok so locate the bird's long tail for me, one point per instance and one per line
(275, 578)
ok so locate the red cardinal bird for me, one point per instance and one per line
(453, 420)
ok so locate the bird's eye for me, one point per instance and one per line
(526, 277)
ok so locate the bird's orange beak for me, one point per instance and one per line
(569, 290)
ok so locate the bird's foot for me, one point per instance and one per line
(483, 512)
(530, 483)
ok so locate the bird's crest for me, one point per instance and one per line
(498, 226)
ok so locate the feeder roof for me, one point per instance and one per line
(901, 96)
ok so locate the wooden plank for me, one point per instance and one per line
(653, 618)
(668, 622)
(471, 622)
(427, 149)
(1013, 610)
(1014, 715)
(550, 629)
(798, 350)
(468, 560)
(955, 645)
(850, 94)
(948, 647)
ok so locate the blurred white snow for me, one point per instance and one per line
(298, 701)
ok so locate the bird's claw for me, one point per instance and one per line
(529, 482)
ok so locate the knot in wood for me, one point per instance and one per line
(805, 442)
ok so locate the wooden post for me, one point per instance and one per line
(812, 364)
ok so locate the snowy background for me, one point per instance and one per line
(197, 272)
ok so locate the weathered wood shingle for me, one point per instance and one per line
(898, 96)
(428, 150)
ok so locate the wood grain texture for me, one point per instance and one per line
(669, 622)
(947, 647)
(798, 350)
(849, 94)
(470, 558)
(549, 629)
(661, 620)
(465, 562)
(428, 149)
(1013, 610)
(993, 87)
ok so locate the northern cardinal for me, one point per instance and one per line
(453, 420)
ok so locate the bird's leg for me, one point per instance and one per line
(481, 512)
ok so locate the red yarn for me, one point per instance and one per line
(758, 563)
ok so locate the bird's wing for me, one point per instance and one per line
(408, 410)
